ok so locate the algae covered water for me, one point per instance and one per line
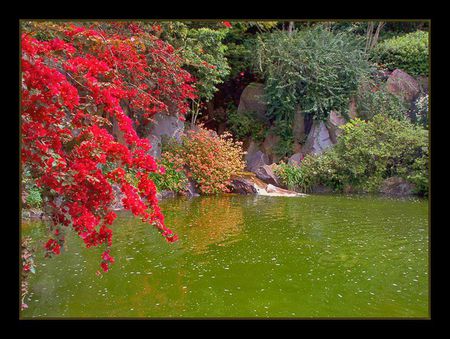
(247, 256)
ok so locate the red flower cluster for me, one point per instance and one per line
(73, 88)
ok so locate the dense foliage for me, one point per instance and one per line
(76, 80)
(173, 177)
(209, 159)
(408, 52)
(365, 155)
(203, 55)
(246, 124)
(314, 70)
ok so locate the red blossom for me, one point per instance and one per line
(66, 82)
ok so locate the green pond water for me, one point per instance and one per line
(247, 256)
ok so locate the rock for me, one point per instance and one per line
(397, 186)
(256, 160)
(318, 139)
(252, 100)
(155, 141)
(296, 159)
(243, 185)
(266, 174)
(250, 184)
(268, 146)
(280, 192)
(167, 126)
(333, 122)
(165, 194)
(402, 84)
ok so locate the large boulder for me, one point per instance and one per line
(397, 186)
(252, 100)
(404, 85)
(156, 142)
(164, 126)
(243, 185)
(268, 146)
(318, 139)
(333, 122)
(256, 160)
(266, 174)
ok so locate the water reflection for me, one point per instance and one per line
(207, 221)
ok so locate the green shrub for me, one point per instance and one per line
(174, 179)
(367, 153)
(408, 52)
(34, 198)
(246, 124)
(292, 177)
(314, 69)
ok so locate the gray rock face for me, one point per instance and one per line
(397, 186)
(252, 100)
(333, 122)
(318, 139)
(164, 125)
(256, 160)
(156, 143)
(268, 146)
(266, 174)
(403, 84)
(296, 159)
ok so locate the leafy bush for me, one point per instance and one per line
(173, 177)
(210, 160)
(408, 52)
(291, 176)
(246, 124)
(203, 54)
(313, 69)
(34, 198)
(366, 154)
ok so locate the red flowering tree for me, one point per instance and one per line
(76, 81)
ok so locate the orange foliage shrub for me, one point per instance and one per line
(209, 159)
